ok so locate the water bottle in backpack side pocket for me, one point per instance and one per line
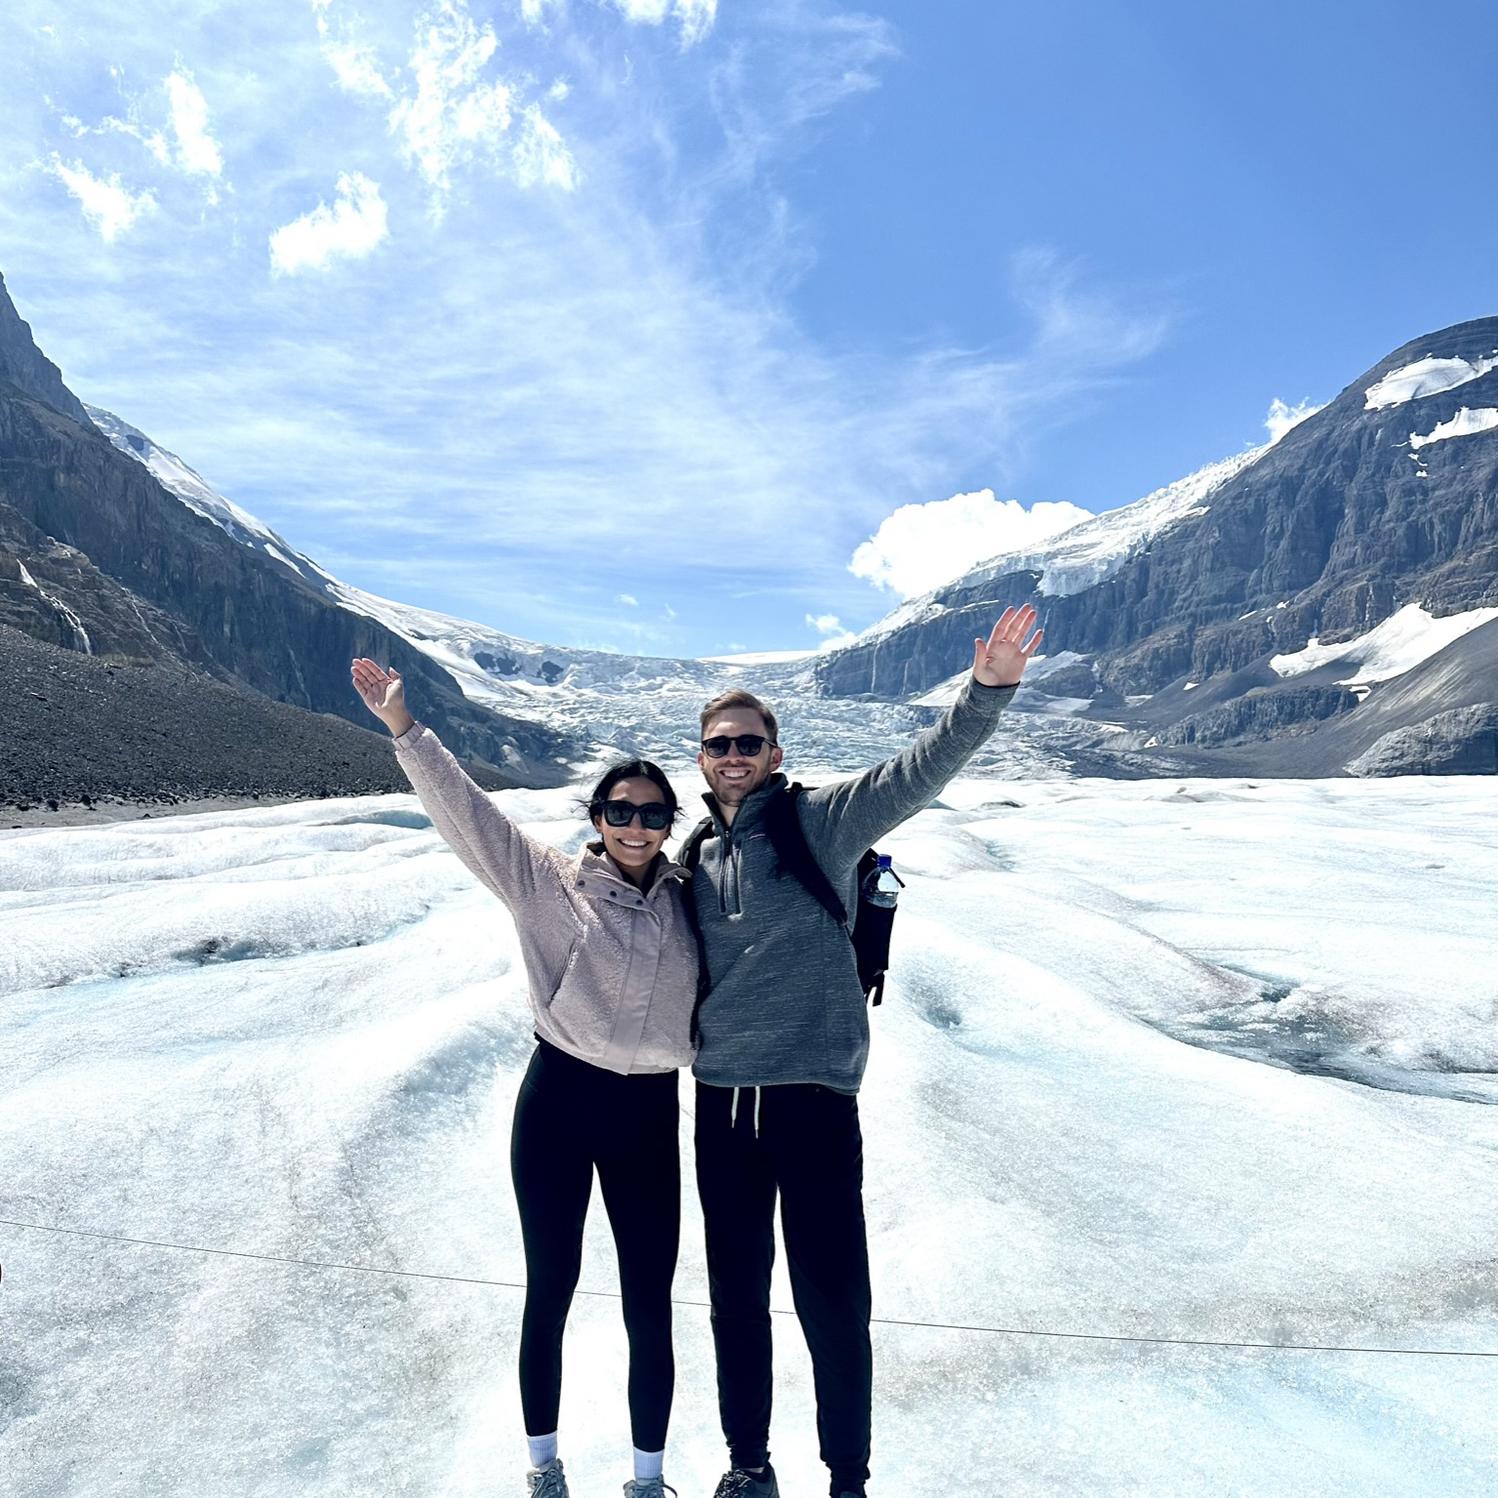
(882, 886)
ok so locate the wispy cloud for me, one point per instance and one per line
(349, 230)
(455, 113)
(178, 136)
(540, 156)
(351, 57)
(107, 203)
(695, 17)
(533, 12)
(596, 324)
(197, 151)
(453, 107)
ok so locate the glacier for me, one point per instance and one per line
(1163, 1064)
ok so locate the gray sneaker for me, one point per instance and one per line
(737, 1483)
(647, 1487)
(547, 1482)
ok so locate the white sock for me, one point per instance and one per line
(543, 1449)
(648, 1464)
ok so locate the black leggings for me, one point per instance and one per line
(569, 1118)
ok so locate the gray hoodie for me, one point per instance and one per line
(785, 1003)
(613, 972)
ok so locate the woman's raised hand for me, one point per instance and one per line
(384, 694)
(1000, 660)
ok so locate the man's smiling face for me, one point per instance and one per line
(737, 775)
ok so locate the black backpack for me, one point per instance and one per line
(872, 924)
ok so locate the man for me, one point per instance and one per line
(784, 1036)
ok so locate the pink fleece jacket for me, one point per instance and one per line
(613, 972)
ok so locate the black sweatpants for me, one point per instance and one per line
(570, 1119)
(808, 1149)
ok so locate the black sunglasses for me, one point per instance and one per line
(748, 744)
(654, 815)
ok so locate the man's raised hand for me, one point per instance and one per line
(1000, 660)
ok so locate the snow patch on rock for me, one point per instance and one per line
(1428, 376)
(1466, 423)
(1390, 649)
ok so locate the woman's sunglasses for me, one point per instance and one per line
(655, 816)
(749, 744)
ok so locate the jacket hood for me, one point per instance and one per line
(594, 866)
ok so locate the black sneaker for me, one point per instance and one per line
(546, 1482)
(739, 1483)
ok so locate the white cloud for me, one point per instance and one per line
(629, 600)
(350, 229)
(456, 114)
(830, 627)
(197, 151)
(533, 12)
(107, 204)
(1282, 417)
(352, 61)
(540, 155)
(453, 108)
(153, 140)
(567, 347)
(695, 16)
(921, 546)
(355, 68)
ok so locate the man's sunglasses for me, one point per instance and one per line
(748, 744)
(655, 816)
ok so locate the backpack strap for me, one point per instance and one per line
(690, 853)
(793, 853)
(690, 857)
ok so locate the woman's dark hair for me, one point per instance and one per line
(631, 769)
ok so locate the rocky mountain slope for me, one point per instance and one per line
(1385, 498)
(96, 557)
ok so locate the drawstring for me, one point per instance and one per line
(733, 1110)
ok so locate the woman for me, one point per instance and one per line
(612, 964)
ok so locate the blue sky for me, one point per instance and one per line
(628, 322)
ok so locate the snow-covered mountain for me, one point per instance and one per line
(1166, 619)
(1381, 505)
(1069, 716)
(1083, 555)
(605, 701)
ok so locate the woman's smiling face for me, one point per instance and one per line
(634, 846)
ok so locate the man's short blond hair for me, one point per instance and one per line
(726, 700)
